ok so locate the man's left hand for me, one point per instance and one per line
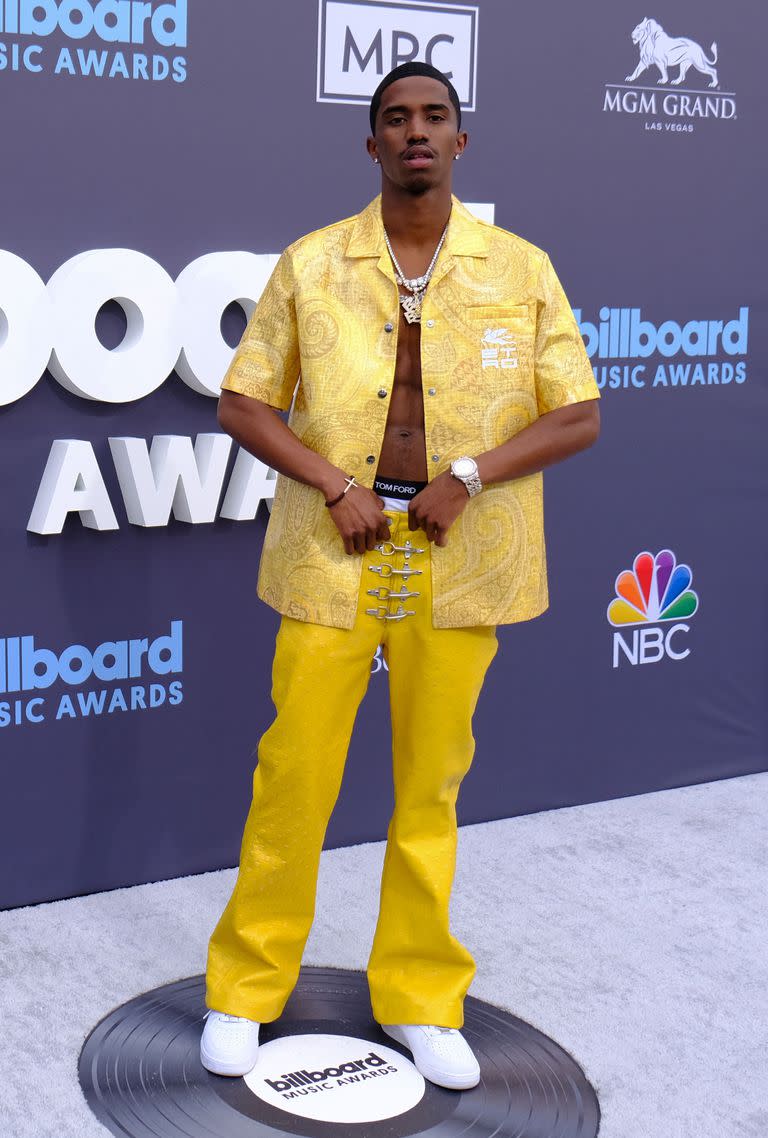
(437, 507)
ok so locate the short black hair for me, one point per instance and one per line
(404, 71)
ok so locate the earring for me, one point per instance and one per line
(456, 157)
(375, 161)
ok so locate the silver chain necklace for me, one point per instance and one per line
(411, 305)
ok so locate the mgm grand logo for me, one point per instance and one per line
(668, 60)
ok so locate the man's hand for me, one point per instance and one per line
(437, 507)
(360, 519)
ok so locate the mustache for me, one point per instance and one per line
(418, 151)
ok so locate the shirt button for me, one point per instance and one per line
(435, 457)
(388, 327)
(382, 393)
(432, 391)
(371, 458)
(430, 324)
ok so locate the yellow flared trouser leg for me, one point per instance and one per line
(418, 972)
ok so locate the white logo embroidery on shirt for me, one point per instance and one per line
(498, 348)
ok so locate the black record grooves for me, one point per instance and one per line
(141, 1074)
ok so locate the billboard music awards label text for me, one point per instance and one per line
(29, 668)
(335, 1078)
(695, 354)
(126, 39)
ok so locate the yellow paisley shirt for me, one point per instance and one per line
(499, 348)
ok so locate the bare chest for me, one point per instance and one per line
(408, 361)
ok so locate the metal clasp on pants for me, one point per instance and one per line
(388, 548)
(388, 571)
(384, 594)
(383, 613)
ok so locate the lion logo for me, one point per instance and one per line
(657, 48)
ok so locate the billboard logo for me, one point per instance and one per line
(360, 41)
(670, 111)
(335, 1078)
(114, 22)
(623, 334)
(655, 591)
(26, 667)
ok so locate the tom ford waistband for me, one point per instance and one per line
(397, 488)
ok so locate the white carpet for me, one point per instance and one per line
(632, 932)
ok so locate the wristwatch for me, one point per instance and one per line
(465, 469)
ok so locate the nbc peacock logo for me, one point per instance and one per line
(655, 592)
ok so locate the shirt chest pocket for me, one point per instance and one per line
(503, 335)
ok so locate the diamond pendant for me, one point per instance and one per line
(415, 284)
(411, 306)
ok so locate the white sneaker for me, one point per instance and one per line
(229, 1044)
(442, 1054)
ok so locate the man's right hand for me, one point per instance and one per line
(360, 519)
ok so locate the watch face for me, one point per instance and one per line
(464, 467)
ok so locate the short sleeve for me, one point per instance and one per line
(562, 369)
(265, 365)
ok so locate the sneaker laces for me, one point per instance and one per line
(226, 1017)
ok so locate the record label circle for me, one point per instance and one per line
(141, 1074)
(335, 1078)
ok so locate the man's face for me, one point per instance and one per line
(416, 134)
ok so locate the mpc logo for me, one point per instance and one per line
(671, 61)
(360, 41)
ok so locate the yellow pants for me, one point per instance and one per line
(417, 971)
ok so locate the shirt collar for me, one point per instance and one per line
(466, 236)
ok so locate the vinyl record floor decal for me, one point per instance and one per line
(325, 1069)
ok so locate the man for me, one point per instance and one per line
(439, 369)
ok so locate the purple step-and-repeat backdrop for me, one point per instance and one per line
(157, 157)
